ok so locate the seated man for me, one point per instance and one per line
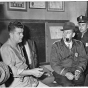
(68, 58)
(12, 56)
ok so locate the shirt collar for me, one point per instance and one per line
(68, 43)
(63, 43)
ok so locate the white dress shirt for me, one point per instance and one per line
(69, 44)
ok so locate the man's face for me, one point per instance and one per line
(17, 35)
(67, 35)
(82, 27)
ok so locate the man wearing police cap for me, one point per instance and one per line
(68, 58)
(83, 34)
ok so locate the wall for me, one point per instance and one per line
(75, 9)
(72, 10)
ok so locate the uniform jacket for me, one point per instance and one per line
(84, 39)
(62, 57)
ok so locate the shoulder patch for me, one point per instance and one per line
(57, 41)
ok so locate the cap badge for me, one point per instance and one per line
(80, 17)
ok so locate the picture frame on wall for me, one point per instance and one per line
(17, 6)
(56, 6)
(37, 5)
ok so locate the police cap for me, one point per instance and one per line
(82, 19)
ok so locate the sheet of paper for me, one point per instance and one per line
(55, 32)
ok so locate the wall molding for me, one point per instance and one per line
(35, 21)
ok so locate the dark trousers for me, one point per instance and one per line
(62, 80)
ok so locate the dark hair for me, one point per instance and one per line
(13, 25)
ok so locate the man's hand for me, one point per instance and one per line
(77, 74)
(37, 72)
(69, 75)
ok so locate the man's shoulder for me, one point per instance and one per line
(57, 42)
(5, 46)
(30, 41)
(77, 41)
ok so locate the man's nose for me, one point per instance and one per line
(80, 26)
(21, 35)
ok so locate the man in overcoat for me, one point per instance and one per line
(68, 58)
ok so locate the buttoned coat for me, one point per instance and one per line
(62, 57)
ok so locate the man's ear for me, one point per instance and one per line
(11, 34)
(73, 34)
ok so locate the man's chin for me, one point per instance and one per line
(81, 30)
(20, 41)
